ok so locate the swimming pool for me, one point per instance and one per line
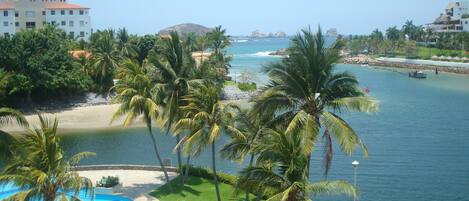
(8, 190)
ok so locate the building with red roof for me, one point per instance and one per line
(17, 15)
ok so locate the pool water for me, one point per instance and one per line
(9, 190)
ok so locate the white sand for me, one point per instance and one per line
(82, 118)
(136, 184)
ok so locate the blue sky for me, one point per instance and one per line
(240, 17)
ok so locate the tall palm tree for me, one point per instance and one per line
(9, 116)
(106, 59)
(125, 47)
(206, 118)
(245, 130)
(135, 94)
(283, 158)
(176, 72)
(40, 169)
(202, 43)
(393, 34)
(306, 92)
(428, 37)
(218, 40)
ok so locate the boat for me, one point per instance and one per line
(418, 75)
(365, 64)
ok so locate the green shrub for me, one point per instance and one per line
(207, 174)
(247, 86)
(108, 182)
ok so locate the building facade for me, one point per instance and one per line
(33, 14)
(455, 18)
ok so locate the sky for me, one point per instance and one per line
(241, 17)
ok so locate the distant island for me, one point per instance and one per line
(259, 34)
(186, 28)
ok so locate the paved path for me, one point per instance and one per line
(136, 183)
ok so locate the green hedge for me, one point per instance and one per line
(207, 174)
(247, 86)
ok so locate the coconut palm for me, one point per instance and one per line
(206, 117)
(9, 116)
(244, 132)
(218, 39)
(202, 42)
(428, 37)
(176, 70)
(124, 46)
(393, 34)
(106, 59)
(306, 92)
(135, 94)
(40, 169)
(281, 171)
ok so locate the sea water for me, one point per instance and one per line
(417, 142)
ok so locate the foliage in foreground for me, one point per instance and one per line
(39, 168)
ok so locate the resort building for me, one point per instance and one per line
(17, 15)
(455, 18)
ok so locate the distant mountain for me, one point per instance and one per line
(186, 28)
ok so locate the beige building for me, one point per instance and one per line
(17, 15)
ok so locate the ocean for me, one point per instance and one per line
(418, 142)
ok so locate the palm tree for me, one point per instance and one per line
(106, 58)
(282, 173)
(9, 116)
(305, 92)
(176, 70)
(244, 131)
(135, 94)
(206, 117)
(218, 39)
(124, 46)
(201, 43)
(393, 34)
(428, 37)
(40, 169)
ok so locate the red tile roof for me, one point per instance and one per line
(6, 6)
(61, 5)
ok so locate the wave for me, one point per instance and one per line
(265, 54)
(239, 40)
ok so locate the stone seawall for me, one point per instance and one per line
(373, 62)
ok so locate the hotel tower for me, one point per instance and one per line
(17, 15)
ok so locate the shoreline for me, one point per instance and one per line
(361, 59)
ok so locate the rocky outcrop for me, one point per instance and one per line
(184, 29)
(280, 52)
(259, 34)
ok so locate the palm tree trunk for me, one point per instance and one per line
(251, 162)
(155, 148)
(178, 140)
(214, 169)
(186, 171)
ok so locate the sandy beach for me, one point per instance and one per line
(78, 118)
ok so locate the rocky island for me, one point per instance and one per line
(184, 29)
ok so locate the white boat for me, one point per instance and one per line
(418, 75)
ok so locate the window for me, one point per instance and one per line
(63, 23)
(5, 13)
(5, 24)
(72, 34)
(53, 22)
(17, 14)
(82, 12)
(62, 12)
(71, 24)
(30, 25)
(70, 12)
(44, 23)
(17, 24)
(6, 35)
(43, 12)
(30, 14)
(82, 34)
(52, 12)
(82, 23)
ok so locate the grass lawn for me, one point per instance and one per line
(230, 83)
(196, 189)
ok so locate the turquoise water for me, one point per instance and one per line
(9, 190)
(417, 142)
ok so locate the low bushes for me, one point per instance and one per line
(207, 174)
(247, 86)
(108, 182)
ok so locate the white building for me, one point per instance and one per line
(455, 18)
(32, 14)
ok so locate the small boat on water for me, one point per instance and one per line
(418, 75)
(365, 64)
